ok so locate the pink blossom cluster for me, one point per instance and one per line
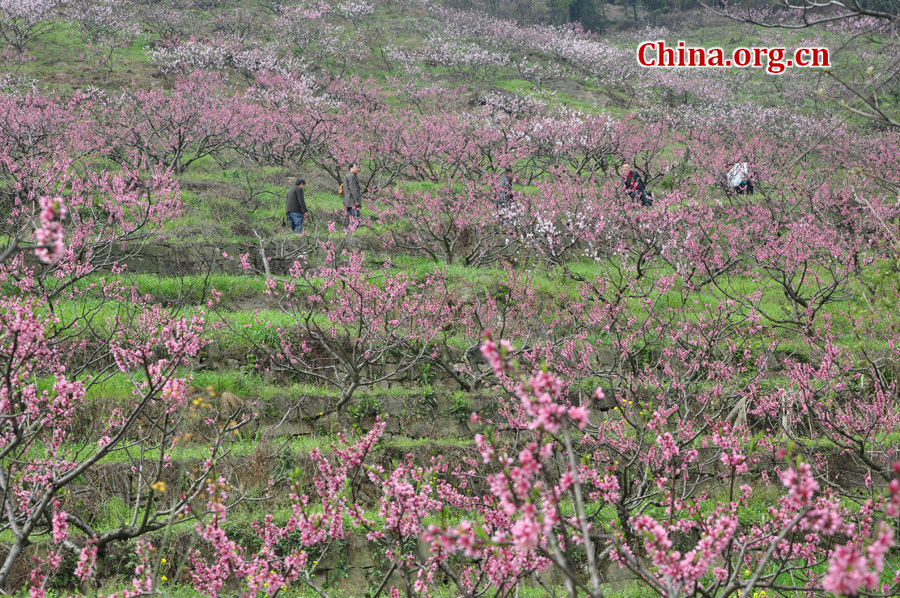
(268, 569)
(852, 567)
(50, 236)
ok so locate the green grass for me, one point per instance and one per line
(248, 386)
(289, 448)
(517, 85)
(192, 289)
(61, 55)
(195, 289)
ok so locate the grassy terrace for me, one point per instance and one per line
(185, 293)
(235, 205)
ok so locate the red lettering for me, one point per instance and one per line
(758, 53)
(696, 57)
(640, 54)
(716, 57)
(816, 52)
(742, 57)
(664, 56)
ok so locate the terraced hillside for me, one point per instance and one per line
(543, 388)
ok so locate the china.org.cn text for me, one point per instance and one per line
(657, 54)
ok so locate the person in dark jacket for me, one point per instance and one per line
(352, 194)
(505, 189)
(296, 206)
(505, 195)
(633, 185)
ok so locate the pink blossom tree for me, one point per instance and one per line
(78, 219)
(453, 223)
(353, 327)
(171, 130)
(43, 391)
(675, 550)
(558, 495)
(272, 568)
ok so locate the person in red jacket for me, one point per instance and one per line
(633, 185)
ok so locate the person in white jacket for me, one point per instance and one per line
(739, 178)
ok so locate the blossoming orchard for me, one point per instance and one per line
(547, 322)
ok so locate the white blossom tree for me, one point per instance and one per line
(23, 20)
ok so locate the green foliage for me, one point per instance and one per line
(427, 402)
(656, 7)
(366, 406)
(460, 408)
(426, 375)
(585, 12)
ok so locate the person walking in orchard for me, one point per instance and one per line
(352, 194)
(296, 206)
(633, 185)
(505, 189)
(505, 195)
(739, 177)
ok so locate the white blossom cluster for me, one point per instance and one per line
(312, 10)
(22, 21)
(449, 52)
(105, 18)
(191, 55)
(354, 9)
(775, 120)
(514, 105)
(257, 60)
(498, 33)
(568, 43)
(28, 12)
(542, 232)
(294, 91)
(316, 39)
(292, 16)
(540, 72)
(220, 54)
(594, 58)
(11, 84)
